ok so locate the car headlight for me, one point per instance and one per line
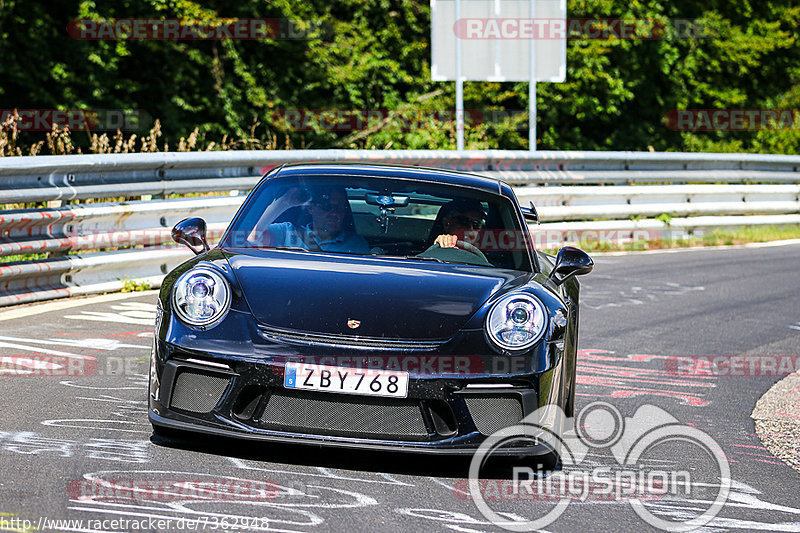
(516, 321)
(201, 297)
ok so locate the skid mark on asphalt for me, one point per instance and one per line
(375, 478)
(284, 507)
(626, 376)
(126, 416)
(649, 292)
(458, 521)
(743, 499)
(32, 443)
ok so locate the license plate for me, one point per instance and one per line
(368, 382)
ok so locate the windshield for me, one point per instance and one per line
(403, 219)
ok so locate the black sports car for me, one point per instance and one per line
(369, 306)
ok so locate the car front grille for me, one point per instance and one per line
(351, 342)
(197, 392)
(345, 415)
(491, 413)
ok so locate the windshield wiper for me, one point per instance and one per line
(292, 248)
(424, 258)
(418, 258)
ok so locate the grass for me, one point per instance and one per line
(62, 141)
(25, 257)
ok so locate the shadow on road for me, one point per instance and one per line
(405, 463)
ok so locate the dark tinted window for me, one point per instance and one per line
(383, 217)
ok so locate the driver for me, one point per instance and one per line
(327, 207)
(456, 218)
(452, 223)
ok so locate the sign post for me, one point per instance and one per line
(459, 89)
(504, 40)
(532, 88)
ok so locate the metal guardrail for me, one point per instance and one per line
(578, 194)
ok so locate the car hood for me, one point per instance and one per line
(389, 298)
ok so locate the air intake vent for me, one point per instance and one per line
(197, 392)
(491, 413)
(388, 418)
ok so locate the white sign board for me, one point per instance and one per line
(495, 39)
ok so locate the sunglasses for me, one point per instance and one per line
(327, 205)
(464, 221)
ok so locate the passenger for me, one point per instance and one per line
(327, 231)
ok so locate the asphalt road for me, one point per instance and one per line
(60, 434)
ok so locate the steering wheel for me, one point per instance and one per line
(471, 248)
(464, 252)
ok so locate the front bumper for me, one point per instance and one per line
(246, 399)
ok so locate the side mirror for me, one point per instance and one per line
(570, 262)
(192, 233)
(531, 214)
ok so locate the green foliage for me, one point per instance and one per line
(131, 285)
(375, 55)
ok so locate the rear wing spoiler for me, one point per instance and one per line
(530, 214)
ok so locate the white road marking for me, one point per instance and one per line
(69, 304)
(448, 487)
(83, 423)
(17, 365)
(464, 529)
(41, 350)
(90, 343)
(117, 318)
(69, 383)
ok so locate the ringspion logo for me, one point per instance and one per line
(703, 474)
